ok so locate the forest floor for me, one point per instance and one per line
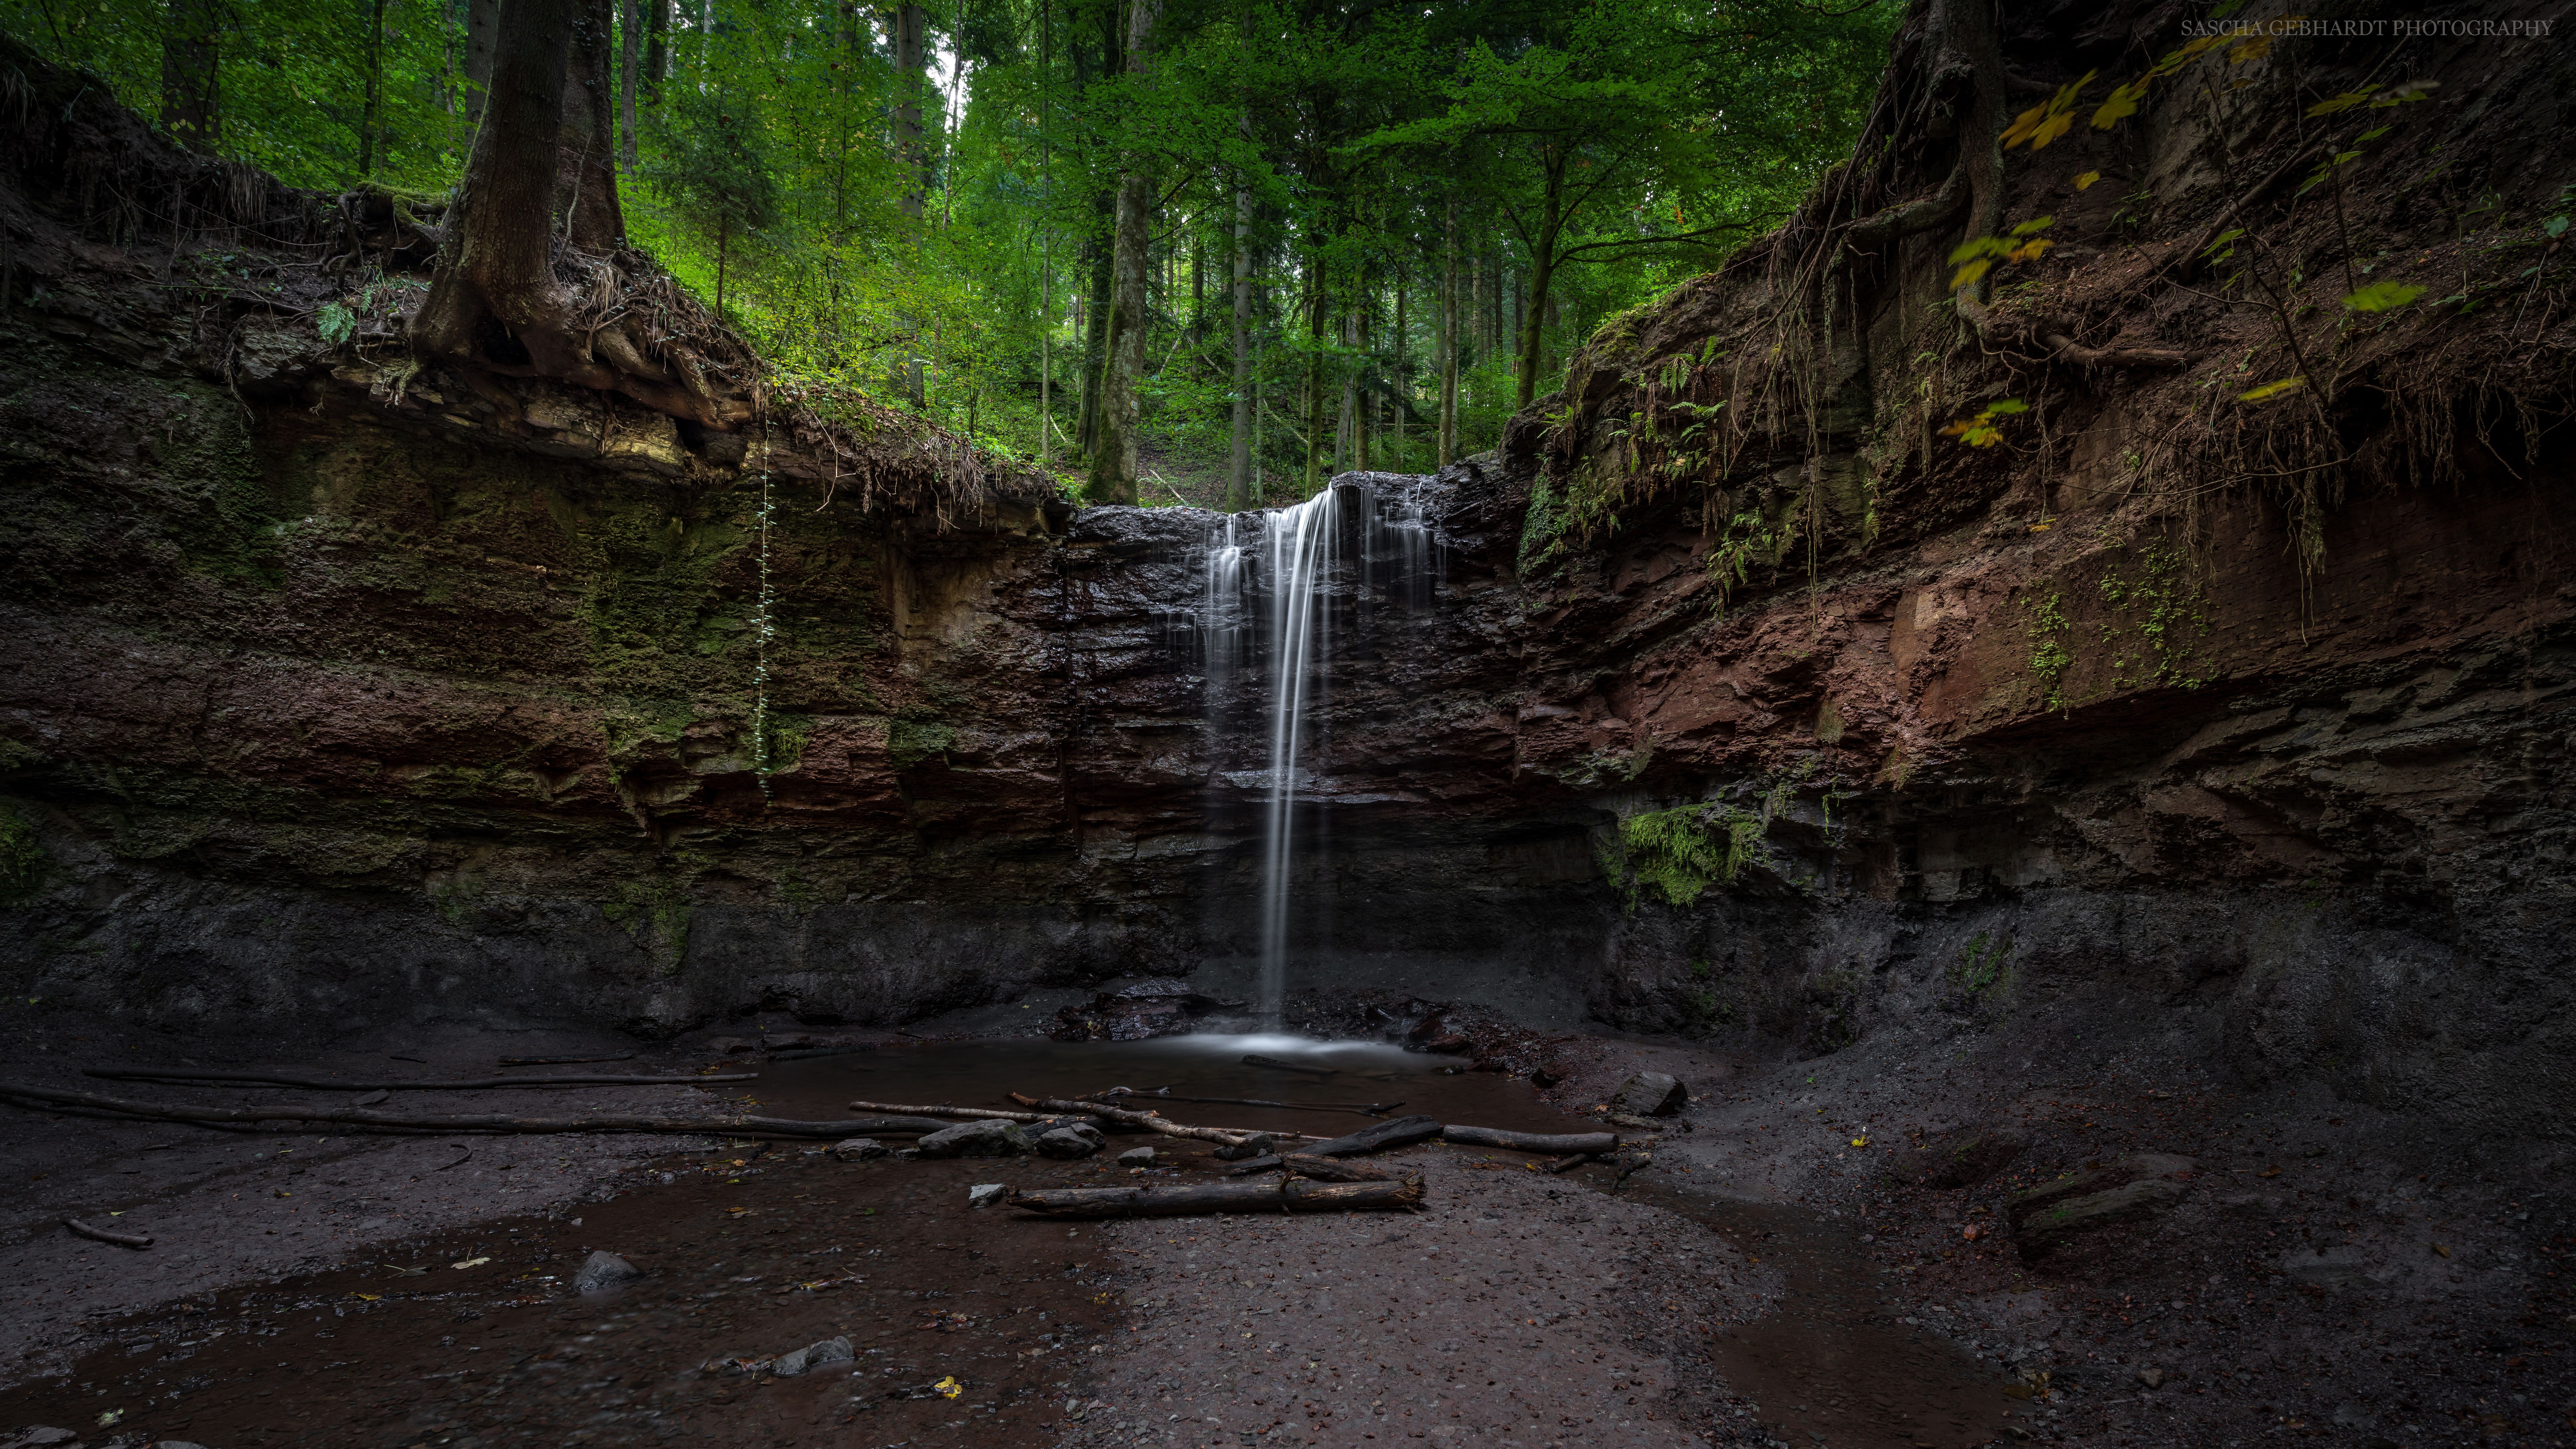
(1764, 1281)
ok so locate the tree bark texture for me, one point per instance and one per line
(586, 148)
(1275, 1195)
(657, 47)
(482, 47)
(191, 71)
(1402, 1132)
(911, 80)
(630, 68)
(1114, 462)
(1446, 451)
(1238, 473)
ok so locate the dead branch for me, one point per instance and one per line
(1402, 1132)
(1281, 1195)
(337, 1084)
(978, 1113)
(1548, 1142)
(1152, 1121)
(108, 1235)
(731, 1126)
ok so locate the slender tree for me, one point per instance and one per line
(191, 72)
(1114, 462)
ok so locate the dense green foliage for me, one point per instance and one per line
(1563, 160)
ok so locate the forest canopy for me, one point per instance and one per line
(1358, 235)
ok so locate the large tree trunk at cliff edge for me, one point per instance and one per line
(544, 169)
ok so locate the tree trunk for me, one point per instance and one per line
(1551, 221)
(586, 147)
(482, 44)
(1113, 463)
(657, 48)
(191, 69)
(495, 304)
(1445, 451)
(1095, 333)
(630, 37)
(371, 122)
(1314, 371)
(910, 82)
(1238, 474)
(1400, 384)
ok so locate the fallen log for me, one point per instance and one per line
(1365, 1109)
(1568, 1164)
(1257, 1060)
(798, 1054)
(1553, 1143)
(1402, 1132)
(732, 1126)
(1333, 1169)
(337, 1084)
(942, 1109)
(561, 1061)
(108, 1235)
(1280, 1195)
(1152, 1121)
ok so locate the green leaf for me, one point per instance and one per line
(336, 323)
(2344, 102)
(2009, 405)
(2034, 226)
(2271, 390)
(2556, 227)
(2382, 296)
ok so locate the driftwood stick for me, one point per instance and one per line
(1152, 1121)
(1279, 1195)
(1365, 1109)
(1333, 1169)
(1258, 1060)
(942, 1109)
(108, 1235)
(338, 1084)
(562, 1061)
(1547, 1142)
(1568, 1164)
(724, 1126)
(1402, 1132)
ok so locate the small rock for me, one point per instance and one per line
(1256, 1145)
(2140, 1185)
(1067, 1143)
(859, 1149)
(38, 1436)
(906, 1154)
(1136, 1157)
(989, 1137)
(986, 1194)
(2153, 1378)
(813, 1356)
(1650, 1094)
(373, 1099)
(604, 1270)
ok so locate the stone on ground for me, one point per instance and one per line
(859, 1149)
(604, 1270)
(1136, 1157)
(991, 1137)
(985, 1194)
(1065, 1142)
(1650, 1094)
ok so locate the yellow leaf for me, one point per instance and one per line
(1955, 429)
(2087, 179)
(470, 1263)
(2023, 126)
(2052, 128)
(2254, 49)
(1967, 276)
(2039, 528)
(2122, 105)
(2438, 1248)
(2269, 1172)
(369, 1297)
(2267, 391)
(949, 1388)
(1860, 1142)
(2029, 251)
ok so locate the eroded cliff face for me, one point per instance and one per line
(1747, 705)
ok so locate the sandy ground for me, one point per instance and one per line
(2330, 1275)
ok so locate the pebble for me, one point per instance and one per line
(859, 1149)
(1650, 1094)
(812, 1356)
(985, 1194)
(1136, 1157)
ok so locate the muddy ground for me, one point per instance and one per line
(1765, 1280)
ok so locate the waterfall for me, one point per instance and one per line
(1273, 581)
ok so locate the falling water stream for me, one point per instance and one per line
(1273, 581)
